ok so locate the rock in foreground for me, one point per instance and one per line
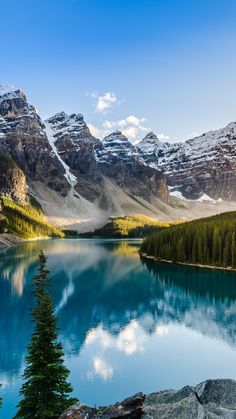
(211, 399)
(129, 408)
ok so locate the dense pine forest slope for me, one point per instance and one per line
(25, 220)
(134, 225)
(206, 241)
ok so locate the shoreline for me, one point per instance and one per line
(193, 265)
(8, 240)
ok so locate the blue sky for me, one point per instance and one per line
(167, 65)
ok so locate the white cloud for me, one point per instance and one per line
(133, 120)
(95, 131)
(130, 340)
(131, 126)
(102, 368)
(163, 137)
(108, 124)
(131, 133)
(162, 330)
(122, 123)
(105, 101)
(130, 120)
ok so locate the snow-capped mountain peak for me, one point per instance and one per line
(151, 136)
(118, 145)
(115, 146)
(202, 165)
(117, 138)
(73, 125)
(152, 150)
(8, 91)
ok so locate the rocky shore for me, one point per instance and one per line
(8, 240)
(210, 399)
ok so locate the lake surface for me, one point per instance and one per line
(126, 325)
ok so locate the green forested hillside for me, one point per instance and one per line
(208, 241)
(26, 221)
(134, 225)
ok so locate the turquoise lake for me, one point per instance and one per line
(126, 325)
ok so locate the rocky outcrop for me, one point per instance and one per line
(89, 160)
(12, 180)
(78, 179)
(152, 150)
(119, 160)
(3, 222)
(65, 166)
(75, 147)
(210, 399)
(202, 165)
(130, 408)
(7, 239)
(23, 139)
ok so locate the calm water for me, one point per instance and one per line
(125, 325)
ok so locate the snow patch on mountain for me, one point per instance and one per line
(72, 180)
(152, 150)
(205, 197)
(177, 194)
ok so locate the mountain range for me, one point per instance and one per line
(80, 180)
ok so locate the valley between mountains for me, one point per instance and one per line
(80, 181)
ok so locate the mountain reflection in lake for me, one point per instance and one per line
(126, 325)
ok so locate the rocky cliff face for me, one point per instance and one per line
(119, 160)
(152, 150)
(109, 177)
(22, 138)
(12, 180)
(210, 399)
(75, 148)
(203, 165)
(73, 174)
(88, 160)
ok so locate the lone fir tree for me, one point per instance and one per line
(45, 390)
